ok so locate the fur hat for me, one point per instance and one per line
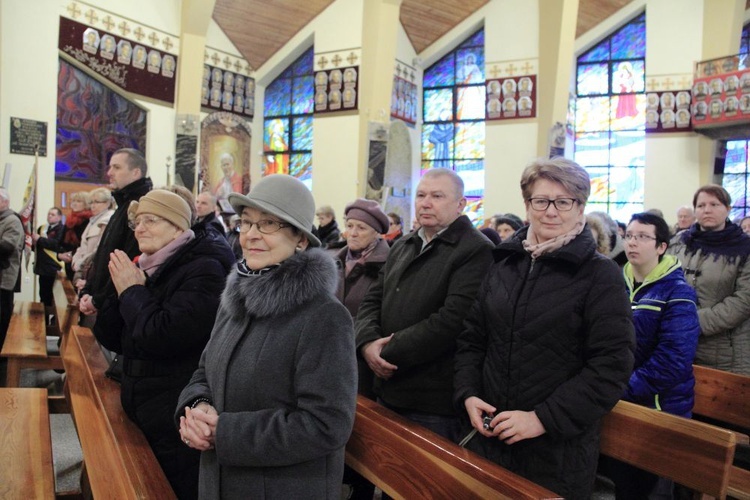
(164, 204)
(284, 197)
(369, 212)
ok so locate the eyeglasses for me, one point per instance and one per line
(146, 221)
(561, 204)
(265, 226)
(639, 237)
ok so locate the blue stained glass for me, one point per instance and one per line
(629, 42)
(438, 105)
(470, 102)
(440, 74)
(475, 40)
(437, 141)
(301, 166)
(592, 149)
(303, 95)
(286, 74)
(628, 149)
(469, 140)
(302, 137)
(623, 211)
(426, 165)
(472, 173)
(304, 65)
(276, 136)
(469, 66)
(736, 159)
(598, 53)
(278, 98)
(628, 76)
(626, 185)
(736, 185)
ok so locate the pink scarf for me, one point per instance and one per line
(151, 263)
(531, 243)
(354, 258)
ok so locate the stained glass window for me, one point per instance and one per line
(453, 117)
(287, 131)
(610, 119)
(736, 172)
(92, 123)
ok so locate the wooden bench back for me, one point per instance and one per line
(691, 453)
(26, 459)
(66, 306)
(407, 461)
(26, 332)
(118, 460)
(722, 396)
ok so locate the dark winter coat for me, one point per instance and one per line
(667, 329)
(47, 247)
(423, 297)
(117, 235)
(329, 233)
(11, 248)
(211, 222)
(160, 329)
(352, 290)
(555, 336)
(280, 371)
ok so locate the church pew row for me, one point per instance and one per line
(725, 397)
(118, 462)
(26, 460)
(408, 461)
(694, 454)
(26, 342)
(405, 460)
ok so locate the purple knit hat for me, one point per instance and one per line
(369, 212)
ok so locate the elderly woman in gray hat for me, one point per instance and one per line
(272, 403)
(161, 321)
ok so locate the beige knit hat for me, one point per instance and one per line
(163, 204)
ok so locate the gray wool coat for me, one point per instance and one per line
(280, 370)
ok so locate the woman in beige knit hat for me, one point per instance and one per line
(161, 321)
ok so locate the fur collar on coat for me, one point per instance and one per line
(296, 281)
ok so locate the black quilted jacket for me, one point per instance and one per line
(555, 337)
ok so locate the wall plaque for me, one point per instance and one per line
(25, 135)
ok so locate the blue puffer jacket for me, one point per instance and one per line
(667, 329)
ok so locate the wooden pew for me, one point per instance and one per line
(406, 460)
(26, 458)
(694, 454)
(725, 397)
(26, 343)
(118, 462)
(66, 307)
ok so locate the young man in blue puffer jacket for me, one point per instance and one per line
(665, 316)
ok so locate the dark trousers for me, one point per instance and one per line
(6, 311)
(46, 283)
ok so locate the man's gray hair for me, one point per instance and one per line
(456, 180)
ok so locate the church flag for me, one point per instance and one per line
(27, 213)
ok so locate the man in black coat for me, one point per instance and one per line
(127, 178)
(408, 322)
(205, 214)
(47, 243)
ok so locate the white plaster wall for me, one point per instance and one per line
(405, 52)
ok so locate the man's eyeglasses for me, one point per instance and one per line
(561, 204)
(638, 237)
(265, 226)
(147, 221)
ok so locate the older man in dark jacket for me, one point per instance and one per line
(408, 322)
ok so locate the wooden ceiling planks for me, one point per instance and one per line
(259, 28)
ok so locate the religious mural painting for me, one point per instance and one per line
(225, 156)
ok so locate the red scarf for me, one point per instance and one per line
(74, 220)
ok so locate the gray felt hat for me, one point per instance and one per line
(284, 197)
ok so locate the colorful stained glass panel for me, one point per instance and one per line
(628, 77)
(628, 112)
(598, 53)
(472, 173)
(303, 92)
(628, 149)
(593, 79)
(301, 168)
(438, 105)
(470, 102)
(437, 141)
(592, 149)
(469, 140)
(626, 185)
(302, 136)
(629, 42)
(276, 136)
(470, 66)
(276, 164)
(475, 40)
(600, 190)
(278, 98)
(736, 159)
(592, 114)
(474, 210)
(441, 74)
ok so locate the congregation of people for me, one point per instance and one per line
(240, 345)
